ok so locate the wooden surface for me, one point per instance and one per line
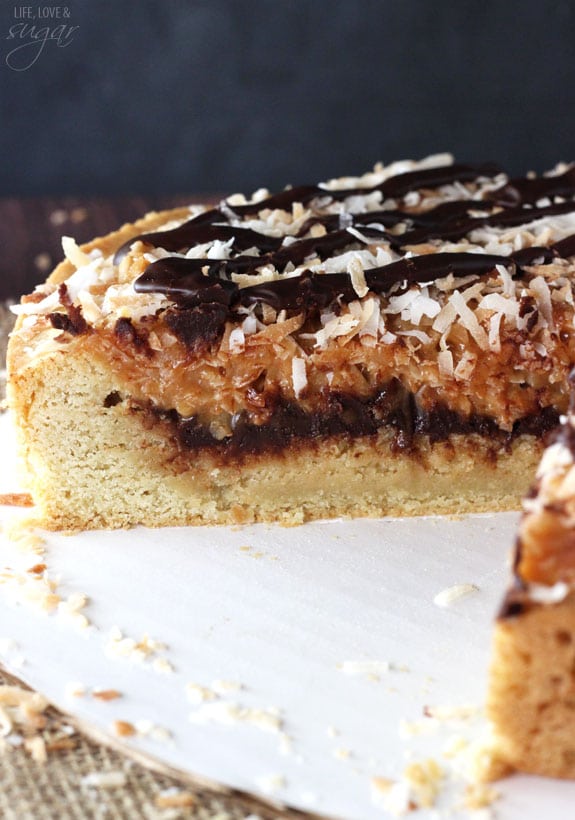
(31, 231)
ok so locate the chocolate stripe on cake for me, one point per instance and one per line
(198, 281)
(444, 226)
(457, 229)
(195, 230)
(391, 188)
(531, 189)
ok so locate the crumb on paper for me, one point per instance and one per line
(285, 746)
(21, 532)
(75, 689)
(123, 728)
(196, 693)
(106, 694)
(416, 728)
(229, 714)
(370, 669)
(481, 761)
(151, 730)
(223, 687)
(270, 783)
(37, 569)
(144, 650)
(11, 653)
(71, 607)
(448, 713)
(16, 500)
(418, 788)
(450, 595)
(163, 666)
(454, 746)
(37, 590)
(342, 753)
(479, 796)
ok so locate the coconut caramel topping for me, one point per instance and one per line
(449, 281)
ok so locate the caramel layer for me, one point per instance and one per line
(342, 415)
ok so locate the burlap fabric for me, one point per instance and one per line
(60, 789)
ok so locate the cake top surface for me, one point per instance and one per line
(454, 270)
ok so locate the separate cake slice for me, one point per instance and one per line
(532, 684)
(396, 343)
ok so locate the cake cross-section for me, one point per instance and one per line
(391, 344)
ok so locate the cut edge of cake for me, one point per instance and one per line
(531, 698)
(340, 368)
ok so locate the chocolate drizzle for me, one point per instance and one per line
(531, 189)
(392, 188)
(197, 230)
(190, 282)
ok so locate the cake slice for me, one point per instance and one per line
(391, 344)
(532, 685)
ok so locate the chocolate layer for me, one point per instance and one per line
(392, 407)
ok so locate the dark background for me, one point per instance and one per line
(167, 96)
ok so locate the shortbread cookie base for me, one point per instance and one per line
(92, 466)
(532, 689)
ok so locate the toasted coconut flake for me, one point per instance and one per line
(506, 279)
(267, 719)
(73, 253)
(122, 728)
(356, 272)
(466, 366)
(540, 289)
(106, 694)
(36, 746)
(469, 319)
(445, 318)
(540, 594)
(451, 595)
(237, 340)
(299, 376)
(370, 318)
(445, 363)
(420, 335)
(501, 304)
(104, 780)
(449, 713)
(200, 694)
(495, 332)
(175, 798)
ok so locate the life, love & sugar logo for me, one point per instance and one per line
(33, 31)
